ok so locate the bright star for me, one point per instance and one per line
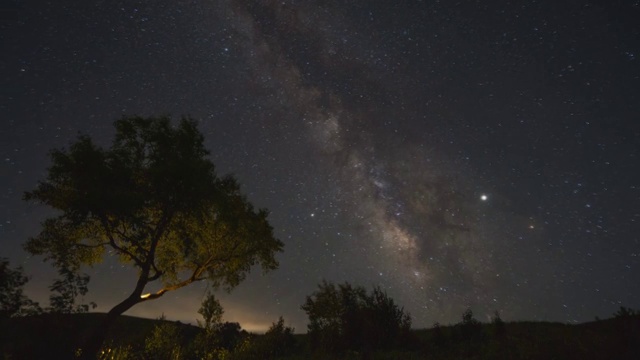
(484, 197)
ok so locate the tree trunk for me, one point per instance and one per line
(93, 344)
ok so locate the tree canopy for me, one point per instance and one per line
(154, 200)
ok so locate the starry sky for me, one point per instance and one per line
(479, 154)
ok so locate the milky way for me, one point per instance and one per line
(417, 222)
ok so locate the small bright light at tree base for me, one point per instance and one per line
(484, 197)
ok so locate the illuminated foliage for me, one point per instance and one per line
(207, 344)
(153, 200)
(164, 342)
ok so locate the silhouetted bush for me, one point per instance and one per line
(624, 312)
(344, 317)
(499, 327)
(438, 338)
(467, 335)
(277, 342)
(13, 302)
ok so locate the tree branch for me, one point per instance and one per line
(138, 247)
(193, 278)
(93, 246)
(165, 220)
(157, 274)
(112, 242)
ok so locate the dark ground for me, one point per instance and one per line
(57, 336)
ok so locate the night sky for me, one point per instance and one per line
(481, 154)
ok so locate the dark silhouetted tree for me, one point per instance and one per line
(344, 317)
(276, 343)
(211, 312)
(13, 302)
(332, 312)
(229, 334)
(469, 324)
(65, 291)
(386, 323)
(625, 312)
(154, 200)
(438, 339)
(498, 325)
(469, 332)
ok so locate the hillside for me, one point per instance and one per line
(617, 338)
(49, 336)
(57, 336)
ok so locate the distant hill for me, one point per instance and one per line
(51, 336)
(617, 338)
(57, 336)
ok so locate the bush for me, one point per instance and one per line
(343, 318)
(277, 342)
(13, 302)
(164, 343)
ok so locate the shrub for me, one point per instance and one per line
(345, 317)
